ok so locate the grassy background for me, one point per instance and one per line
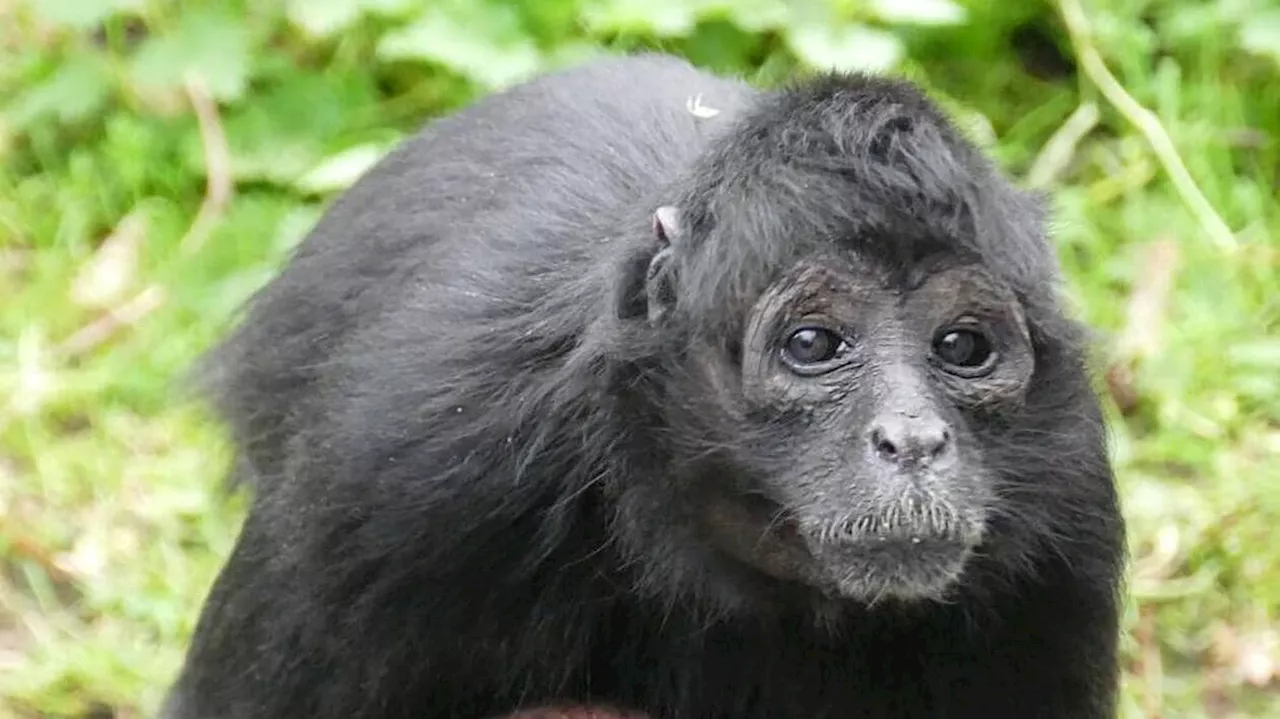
(158, 158)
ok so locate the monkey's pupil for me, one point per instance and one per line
(811, 345)
(963, 348)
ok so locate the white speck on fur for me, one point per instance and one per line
(697, 109)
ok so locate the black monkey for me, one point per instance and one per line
(636, 386)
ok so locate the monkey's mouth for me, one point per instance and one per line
(912, 548)
(889, 568)
(907, 550)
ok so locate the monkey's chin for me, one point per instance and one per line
(875, 569)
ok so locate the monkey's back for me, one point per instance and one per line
(539, 173)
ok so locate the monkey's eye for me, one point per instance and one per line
(966, 350)
(810, 346)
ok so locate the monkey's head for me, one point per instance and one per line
(867, 387)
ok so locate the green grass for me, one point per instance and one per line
(112, 519)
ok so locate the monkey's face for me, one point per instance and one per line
(863, 475)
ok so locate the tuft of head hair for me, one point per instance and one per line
(853, 161)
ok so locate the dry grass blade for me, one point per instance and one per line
(1149, 300)
(217, 161)
(1146, 122)
(1145, 317)
(112, 322)
(110, 272)
(1056, 155)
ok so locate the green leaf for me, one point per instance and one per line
(76, 90)
(663, 18)
(481, 42)
(755, 16)
(294, 227)
(207, 43)
(390, 7)
(919, 12)
(337, 172)
(81, 14)
(722, 46)
(1258, 353)
(293, 123)
(844, 47)
(1260, 34)
(325, 18)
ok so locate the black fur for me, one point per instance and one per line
(469, 445)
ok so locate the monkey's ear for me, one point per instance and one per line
(659, 280)
(648, 288)
(659, 285)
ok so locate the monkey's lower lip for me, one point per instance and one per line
(927, 538)
(871, 569)
(894, 549)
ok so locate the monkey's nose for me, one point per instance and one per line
(911, 441)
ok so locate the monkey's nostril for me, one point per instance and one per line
(945, 443)
(884, 446)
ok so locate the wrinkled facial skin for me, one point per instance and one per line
(867, 481)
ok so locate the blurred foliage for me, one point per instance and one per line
(158, 158)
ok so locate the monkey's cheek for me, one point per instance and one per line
(905, 569)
